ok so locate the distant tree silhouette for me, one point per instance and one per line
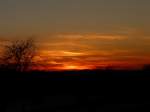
(146, 67)
(19, 55)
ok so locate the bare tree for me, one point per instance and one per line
(19, 55)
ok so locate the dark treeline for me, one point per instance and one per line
(97, 74)
(24, 90)
(73, 91)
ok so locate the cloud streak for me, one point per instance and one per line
(98, 50)
(93, 50)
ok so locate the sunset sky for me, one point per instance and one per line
(80, 34)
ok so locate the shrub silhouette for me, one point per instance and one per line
(19, 55)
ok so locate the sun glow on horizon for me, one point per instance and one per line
(91, 51)
(71, 67)
(75, 67)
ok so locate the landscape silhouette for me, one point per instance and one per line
(74, 55)
(27, 90)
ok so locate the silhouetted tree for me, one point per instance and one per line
(19, 55)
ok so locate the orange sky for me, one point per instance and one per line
(79, 51)
(80, 34)
(93, 50)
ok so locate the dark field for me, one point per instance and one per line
(80, 91)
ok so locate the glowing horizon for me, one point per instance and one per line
(80, 34)
(79, 52)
